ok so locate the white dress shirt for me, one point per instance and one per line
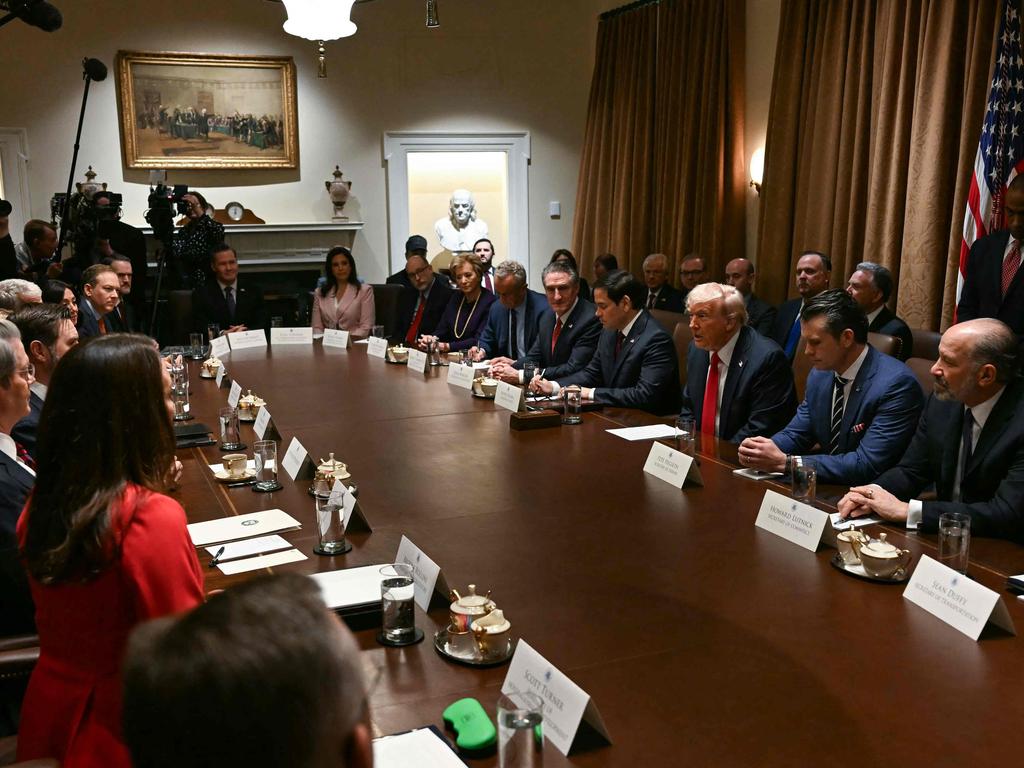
(849, 375)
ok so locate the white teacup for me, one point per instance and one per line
(235, 463)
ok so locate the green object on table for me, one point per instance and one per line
(469, 720)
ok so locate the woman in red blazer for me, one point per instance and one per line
(104, 548)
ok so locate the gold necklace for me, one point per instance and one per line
(458, 314)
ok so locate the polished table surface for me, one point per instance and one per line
(702, 639)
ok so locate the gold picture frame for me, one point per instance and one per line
(204, 110)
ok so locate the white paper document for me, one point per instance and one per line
(421, 748)
(350, 586)
(652, 432)
(854, 522)
(241, 527)
(263, 561)
(249, 547)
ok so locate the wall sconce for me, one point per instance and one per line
(757, 169)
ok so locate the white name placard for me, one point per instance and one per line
(294, 458)
(262, 422)
(335, 338)
(417, 361)
(426, 573)
(963, 603)
(376, 347)
(794, 521)
(247, 339)
(220, 376)
(219, 347)
(234, 394)
(508, 396)
(461, 376)
(566, 705)
(291, 336)
(672, 466)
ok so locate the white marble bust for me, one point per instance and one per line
(461, 228)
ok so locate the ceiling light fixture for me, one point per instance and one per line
(319, 21)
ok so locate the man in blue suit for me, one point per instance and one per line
(861, 407)
(749, 389)
(813, 271)
(511, 325)
(635, 365)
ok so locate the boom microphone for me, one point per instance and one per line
(37, 13)
(94, 69)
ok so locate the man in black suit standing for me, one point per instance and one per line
(660, 295)
(739, 384)
(739, 273)
(566, 336)
(871, 286)
(969, 441)
(421, 306)
(47, 334)
(414, 246)
(813, 271)
(635, 365)
(222, 301)
(993, 283)
(123, 318)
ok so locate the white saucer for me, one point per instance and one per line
(224, 477)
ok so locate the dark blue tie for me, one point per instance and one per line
(513, 340)
(793, 338)
(229, 297)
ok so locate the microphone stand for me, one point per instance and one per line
(71, 176)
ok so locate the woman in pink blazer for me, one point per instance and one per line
(342, 302)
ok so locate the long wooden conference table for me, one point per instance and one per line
(702, 640)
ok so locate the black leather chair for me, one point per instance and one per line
(385, 305)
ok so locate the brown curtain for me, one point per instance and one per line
(875, 117)
(668, 175)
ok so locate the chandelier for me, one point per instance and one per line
(320, 21)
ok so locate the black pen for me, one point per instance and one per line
(216, 558)
(241, 484)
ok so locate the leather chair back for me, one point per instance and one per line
(884, 343)
(385, 304)
(681, 337)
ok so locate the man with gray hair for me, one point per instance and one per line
(16, 293)
(265, 657)
(969, 441)
(739, 383)
(660, 294)
(512, 322)
(871, 286)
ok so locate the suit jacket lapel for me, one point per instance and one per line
(736, 366)
(995, 425)
(860, 386)
(629, 342)
(568, 325)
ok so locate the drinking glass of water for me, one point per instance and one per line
(686, 430)
(520, 740)
(954, 540)
(396, 596)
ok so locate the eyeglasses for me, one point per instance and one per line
(418, 272)
(28, 372)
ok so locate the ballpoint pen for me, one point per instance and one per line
(216, 557)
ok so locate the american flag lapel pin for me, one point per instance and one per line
(858, 428)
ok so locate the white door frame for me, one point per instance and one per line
(14, 166)
(398, 145)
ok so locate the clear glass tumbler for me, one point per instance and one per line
(572, 399)
(396, 594)
(804, 481)
(520, 735)
(265, 456)
(229, 434)
(955, 540)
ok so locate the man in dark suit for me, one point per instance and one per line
(994, 282)
(693, 271)
(813, 271)
(123, 318)
(749, 389)
(739, 273)
(416, 245)
(511, 325)
(871, 286)
(421, 306)
(635, 365)
(223, 301)
(99, 298)
(47, 334)
(861, 407)
(660, 294)
(566, 336)
(969, 442)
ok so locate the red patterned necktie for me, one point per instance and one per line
(102, 324)
(410, 337)
(707, 415)
(556, 333)
(1010, 265)
(23, 456)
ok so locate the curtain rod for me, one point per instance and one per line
(626, 9)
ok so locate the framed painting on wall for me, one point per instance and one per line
(201, 110)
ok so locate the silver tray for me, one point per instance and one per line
(857, 571)
(483, 397)
(442, 646)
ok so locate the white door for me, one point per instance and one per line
(14, 177)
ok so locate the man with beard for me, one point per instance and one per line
(969, 441)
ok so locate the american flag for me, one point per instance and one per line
(1001, 151)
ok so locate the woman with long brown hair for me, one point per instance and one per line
(103, 546)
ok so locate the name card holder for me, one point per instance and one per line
(291, 336)
(296, 461)
(461, 376)
(352, 518)
(417, 362)
(509, 397)
(570, 715)
(264, 425)
(795, 521)
(220, 376)
(431, 588)
(234, 394)
(336, 338)
(672, 466)
(377, 347)
(960, 602)
(247, 339)
(219, 347)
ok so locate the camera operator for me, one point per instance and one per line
(8, 261)
(194, 242)
(116, 238)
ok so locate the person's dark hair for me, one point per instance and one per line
(840, 312)
(91, 275)
(104, 424)
(265, 657)
(608, 261)
(565, 255)
(880, 276)
(202, 200)
(826, 262)
(34, 231)
(53, 291)
(41, 322)
(220, 248)
(998, 347)
(620, 283)
(331, 281)
(485, 240)
(109, 260)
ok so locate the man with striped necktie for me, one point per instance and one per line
(861, 407)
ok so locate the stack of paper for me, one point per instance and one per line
(350, 587)
(421, 748)
(241, 527)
